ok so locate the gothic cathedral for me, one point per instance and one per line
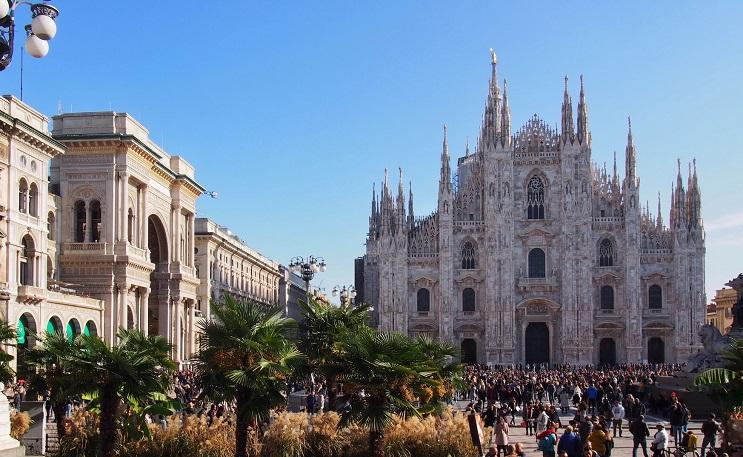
(536, 255)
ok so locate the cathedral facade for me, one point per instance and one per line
(536, 255)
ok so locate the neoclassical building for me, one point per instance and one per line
(536, 254)
(225, 264)
(31, 295)
(126, 233)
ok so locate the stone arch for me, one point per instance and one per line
(90, 329)
(157, 243)
(536, 191)
(606, 251)
(25, 341)
(537, 263)
(655, 296)
(22, 195)
(81, 223)
(73, 329)
(51, 226)
(54, 325)
(469, 300)
(33, 200)
(27, 260)
(607, 297)
(423, 300)
(468, 254)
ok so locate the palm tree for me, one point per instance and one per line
(7, 336)
(136, 368)
(244, 356)
(390, 374)
(52, 372)
(726, 384)
(322, 327)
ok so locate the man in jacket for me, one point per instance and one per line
(640, 432)
(617, 412)
(569, 443)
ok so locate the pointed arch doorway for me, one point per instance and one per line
(469, 351)
(537, 343)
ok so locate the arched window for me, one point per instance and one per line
(535, 198)
(424, 301)
(606, 253)
(655, 297)
(130, 226)
(468, 300)
(50, 226)
(536, 263)
(33, 200)
(468, 256)
(26, 261)
(22, 195)
(607, 297)
(80, 224)
(95, 221)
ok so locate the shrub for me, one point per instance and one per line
(19, 424)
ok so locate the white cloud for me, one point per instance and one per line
(725, 222)
(730, 240)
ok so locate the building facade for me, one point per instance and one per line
(225, 264)
(31, 296)
(720, 311)
(126, 225)
(535, 254)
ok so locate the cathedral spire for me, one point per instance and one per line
(445, 178)
(568, 129)
(411, 215)
(583, 135)
(630, 155)
(491, 118)
(659, 220)
(505, 117)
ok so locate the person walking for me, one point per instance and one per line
(501, 435)
(660, 441)
(710, 428)
(640, 433)
(570, 443)
(676, 418)
(565, 400)
(542, 421)
(617, 412)
(598, 440)
(546, 442)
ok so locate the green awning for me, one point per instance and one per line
(21, 331)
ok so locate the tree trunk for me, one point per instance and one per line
(59, 416)
(332, 393)
(109, 407)
(241, 427)
(376, 443)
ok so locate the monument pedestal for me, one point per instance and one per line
(9, 447)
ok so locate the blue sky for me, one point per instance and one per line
(290, 110)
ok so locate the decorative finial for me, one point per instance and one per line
(566, 83)
(678, 162)
(493, 57)
(581, 82)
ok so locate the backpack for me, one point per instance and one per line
(547, 443)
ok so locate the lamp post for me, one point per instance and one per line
(307, 269)
(347, 294)
(42, 29)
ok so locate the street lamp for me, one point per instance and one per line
(307, 269)
(43, 28)
(346, 293)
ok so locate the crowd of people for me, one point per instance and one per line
(592, 406)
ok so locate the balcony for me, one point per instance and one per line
(538, 284)
(655, 313)
(128, 249)
(87, 248)
(31, 294)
